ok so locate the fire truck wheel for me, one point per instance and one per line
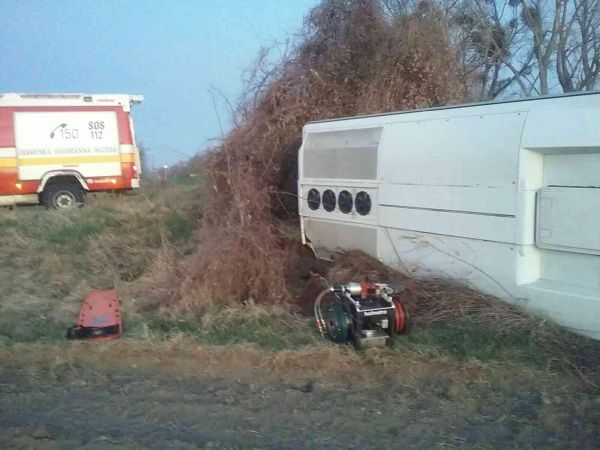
(63, 196)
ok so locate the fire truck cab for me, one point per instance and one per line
(54, 148)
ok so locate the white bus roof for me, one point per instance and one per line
(462, 106)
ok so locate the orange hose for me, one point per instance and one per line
(400, 317)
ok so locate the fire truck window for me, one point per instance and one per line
(363, 203)
(314, 199)
(345, 202)
(329, 200)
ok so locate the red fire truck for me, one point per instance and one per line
(54, 148)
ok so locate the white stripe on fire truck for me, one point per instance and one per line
(8, 152)
(126, 148)
(69, 160)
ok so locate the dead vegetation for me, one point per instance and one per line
(351, 59)
(431, 301)
(50, 260)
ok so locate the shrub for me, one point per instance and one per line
(351, 59)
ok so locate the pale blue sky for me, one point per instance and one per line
(171, 52)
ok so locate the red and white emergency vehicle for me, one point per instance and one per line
(56, 147)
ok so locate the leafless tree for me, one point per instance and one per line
(578, 51)
(500, 45)
(545, 20)
(533, 46)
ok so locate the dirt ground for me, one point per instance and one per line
(84, 402)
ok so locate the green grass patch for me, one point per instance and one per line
(268, 328)
(50, 260)
(161, 326)
(35, 321)
(180, 228)
(466, 340)
(7, 222)
(74, 236)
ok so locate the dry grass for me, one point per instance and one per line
(431, 301)
(50, 260)
(325, 363)
(53, 261)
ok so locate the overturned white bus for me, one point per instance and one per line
(502, 196)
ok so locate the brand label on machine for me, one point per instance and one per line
(378, 312)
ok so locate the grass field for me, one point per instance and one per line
(453, 383)
(50, 259)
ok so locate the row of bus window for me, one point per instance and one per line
(344, 201)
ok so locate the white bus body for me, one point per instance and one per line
(504, 197)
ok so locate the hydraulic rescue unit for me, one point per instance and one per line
(365, 314)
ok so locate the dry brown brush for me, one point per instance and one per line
(351, 59)
(435, 300)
